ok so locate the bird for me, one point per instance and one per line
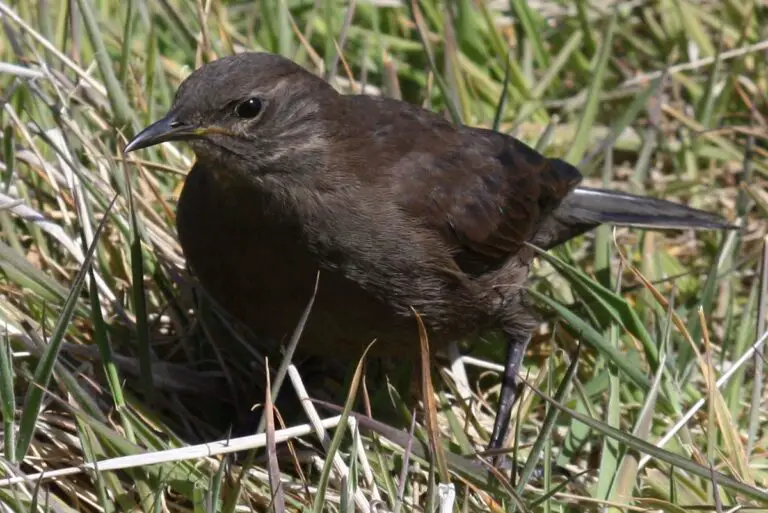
(402, 212)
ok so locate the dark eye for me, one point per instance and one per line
(250, 108)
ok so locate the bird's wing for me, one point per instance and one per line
(486, 194)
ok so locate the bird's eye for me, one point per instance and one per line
(250, 108)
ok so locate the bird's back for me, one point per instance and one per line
(485, 193)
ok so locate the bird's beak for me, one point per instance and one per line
(166, 129)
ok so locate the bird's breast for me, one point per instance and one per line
(253, 259)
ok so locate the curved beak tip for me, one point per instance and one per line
(153, 134)
(132, 145)
(163, 130)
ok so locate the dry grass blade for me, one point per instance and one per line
(122, 112)
(430, 405)
(696, 64)
(627, 473)
(423, 32)
(670, 458)
(192, 452)
(365, 464)
(549, 423)
(723, 415)
(406, 465)
(275, 484)
(726, 425)
(44, 370)
(333, 447)
(86, 77)
(757, 399)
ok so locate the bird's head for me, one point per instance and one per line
(249, 113)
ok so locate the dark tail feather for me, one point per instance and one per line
(586, 208)
(625, 209)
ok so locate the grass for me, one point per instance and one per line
(646, 377)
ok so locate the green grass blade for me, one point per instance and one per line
(123, 115)
(591, 108)
(44, 369)
(7, 399)
(660, 454)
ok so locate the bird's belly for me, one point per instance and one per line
(268, 286)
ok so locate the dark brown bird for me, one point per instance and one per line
(399, 209)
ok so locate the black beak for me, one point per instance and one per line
(163, 130)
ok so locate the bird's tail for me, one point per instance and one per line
(619, 208)
(585, 208)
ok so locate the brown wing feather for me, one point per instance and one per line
(489, 213)
(485, 193)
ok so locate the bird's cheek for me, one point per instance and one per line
(209, 152)
(201, 148)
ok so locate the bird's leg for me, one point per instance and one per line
(516, 344)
